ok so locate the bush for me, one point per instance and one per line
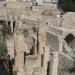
(6, 30)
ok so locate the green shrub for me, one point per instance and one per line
(6, 30)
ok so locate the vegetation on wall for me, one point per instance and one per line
(6, 30)
(34, 29)
(67, 5)
(2, 49)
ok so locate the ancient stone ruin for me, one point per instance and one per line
(43, 40)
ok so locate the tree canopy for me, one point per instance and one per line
(67, 5)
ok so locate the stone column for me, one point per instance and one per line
(46, 57)
(60, 44)
(41, 40)
(54, 68)
(10, 47)
(11, 22)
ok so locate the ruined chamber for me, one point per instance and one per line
(61, 42)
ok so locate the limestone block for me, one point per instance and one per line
(46, 56)
(10, 47)
(53, 41)
(55, 64)
(32, 62)
(20, 43)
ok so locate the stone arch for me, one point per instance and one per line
(66, 34)
(70, 39)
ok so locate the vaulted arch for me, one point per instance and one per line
(70, 39)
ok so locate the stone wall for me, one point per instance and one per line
(31, 63)
(52, 41)
(64, 64)
(68, 20)
(10, 47)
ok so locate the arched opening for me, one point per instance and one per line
(70, 39)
